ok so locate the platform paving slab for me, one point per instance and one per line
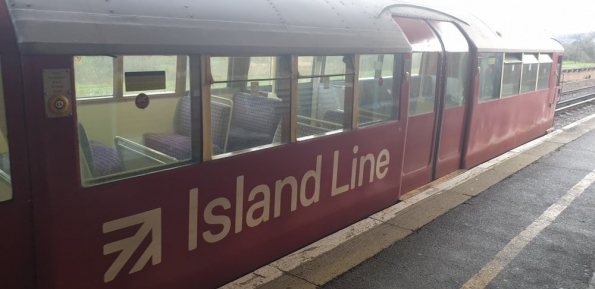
(288, 281)
(481, 182)
(544, 149)
(331, 264)
(422, 213)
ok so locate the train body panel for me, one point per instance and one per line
(264, 218)
(451, 141)
(16, 228)
(207, 142)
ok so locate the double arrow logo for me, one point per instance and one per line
(151, 223)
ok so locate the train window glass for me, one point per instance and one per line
(529, 77)
(141, 133)
(378, 99)
(149, 74)
(456, 79)
(219, 68)
(545, 71)
(305, 67)
(511, 77)
(94, 76)
(321, 99)
(5, 176)
(490, 76)
(422, 94)
(251, 108)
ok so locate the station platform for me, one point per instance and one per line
(525, 219)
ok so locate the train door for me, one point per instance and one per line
(555, 92)
(453, 94)
(16, 237)
(437, 100)
(419, 146)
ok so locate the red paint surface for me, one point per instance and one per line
(500, 125)
(419, 34)
(78, 261)
(69, 236)
(417, 166)
(451, 141)
(16, 236)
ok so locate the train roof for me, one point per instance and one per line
(251, 27)
(483, 37)
(261, 27)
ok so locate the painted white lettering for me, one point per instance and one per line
(383, 160)
(151, 223)
(217, 220)
(343, 188)
(279, 185)
(315, 174)
(193, 220)
(362, 166)
(239, 203)
(265, 204)
(354, 167)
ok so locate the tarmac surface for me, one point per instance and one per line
(449, 251)
(525, 219)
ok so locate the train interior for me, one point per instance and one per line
(134, 112)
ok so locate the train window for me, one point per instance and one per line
(422, 93)
(511, 77)
(456, 78)
(5, 177)
(529, 76)
(140, 132)
(490, 76)
(150, 74)
(94, 76)
(545, 70)
(323, 94)
(378, 98)
(249, 102)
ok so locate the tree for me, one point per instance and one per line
(581, 48)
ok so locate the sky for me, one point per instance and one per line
(550, 17)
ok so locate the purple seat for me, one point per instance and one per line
(102, 159)
(105, 160)
(175, 145)
(254, 121)
(179, 144)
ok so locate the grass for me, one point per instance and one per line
(574, 64)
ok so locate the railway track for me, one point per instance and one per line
(573, 99)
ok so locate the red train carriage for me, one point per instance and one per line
(148, 144)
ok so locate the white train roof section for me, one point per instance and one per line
(220, 27)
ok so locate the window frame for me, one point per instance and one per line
(193, 66)
(527, 59)
(351, 95)
(499, 86)
(118, 94)
(396, 75)
(543, 60)
(201, 81)
(5, 177)
(514, 59)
